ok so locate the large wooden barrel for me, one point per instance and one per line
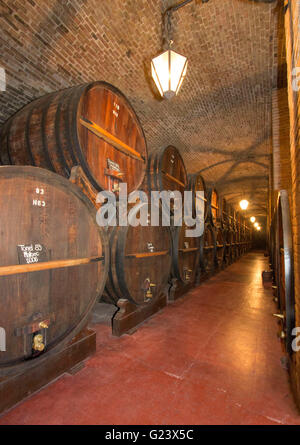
(53, 264)
(228, 240)
(185, 255)
(220, 248)
(166, 172)
(272, 244)
(208, 251)
(224, 212)
(236, 219)
(230, 215)
(140, 263)
(214, 207)
(285, 272)
(91, 125)
(197, 185)
(243, 236)
(235, 245)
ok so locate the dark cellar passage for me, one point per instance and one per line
(212, 357)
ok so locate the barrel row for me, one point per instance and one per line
(52, 248)
(281, 263)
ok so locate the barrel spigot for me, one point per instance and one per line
(38, 344)
(43, 325)
(280, 316)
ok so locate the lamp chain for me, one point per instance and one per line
(169, 28)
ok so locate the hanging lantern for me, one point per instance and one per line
(168, 72)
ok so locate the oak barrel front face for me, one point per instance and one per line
(228, 239)
(185, 255)
(166, 171)
(91, 125)
(214, 206)
(171, 172)
(235, 245)
(53, 263)
(140, 263)
(114, 148)
(225, 212)
(230, 215)
(208, 250)
(285, 271)
(236, 220)
(198, 187)
(220, 247)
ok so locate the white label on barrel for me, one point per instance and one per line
(111, 165)
(31, 253)
(150, 247)
(38, 203)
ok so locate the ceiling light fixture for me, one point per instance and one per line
(169, 68)
(256, 224)
(244, 204)
(168, 71)
(252, 219)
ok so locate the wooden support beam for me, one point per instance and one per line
(173, 179)
(47, 265)
(111, 139)
(147, 254)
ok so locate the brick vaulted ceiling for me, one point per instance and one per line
(221, 119)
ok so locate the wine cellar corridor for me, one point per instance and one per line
(149, 223)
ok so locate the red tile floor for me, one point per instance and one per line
(212, 357)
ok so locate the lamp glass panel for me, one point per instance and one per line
(155, 78)
(161, 66)
(178, 69)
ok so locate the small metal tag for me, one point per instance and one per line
(111, 165)
(150, 246)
